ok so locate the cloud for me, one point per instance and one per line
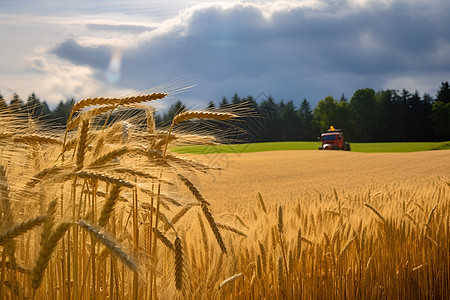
(121, 28)
(288, 50)
(37, 63)
(95, 57)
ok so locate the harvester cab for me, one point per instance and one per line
(333, 139)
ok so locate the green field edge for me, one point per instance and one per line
(391, 147)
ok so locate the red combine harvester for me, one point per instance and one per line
(333, 139)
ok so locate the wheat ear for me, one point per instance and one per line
(108, 157)
(108, 241)
(180, 214)
(116, 101)
(45, 253)
(54, 170)
(261, 203)
(102, 177)
(5, 201)
(204, 236)
(21, 228)
(36, 139)
(228, 281)
(188, 115)
(108, 207)
(214, 228)
(51, 210)
(241, 221)
(430, 215)
(138, 173)
(262, 249)
(193, 190)
(280, 219)
(178, 264)
(280, 272)
(162, 197)
(164, 239)
(88, 115)
(376, 212)
(151, 125)
(82, 144)
(232, 229)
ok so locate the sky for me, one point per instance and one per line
(200, 51)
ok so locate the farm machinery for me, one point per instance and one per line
(333, 139)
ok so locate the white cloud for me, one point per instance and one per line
(37, 63)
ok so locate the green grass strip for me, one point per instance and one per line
(393, 147)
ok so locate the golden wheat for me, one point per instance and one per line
(116, 101)
(108, 241)
(189, 115)
(46, 251)
(21, 228)
(321, 237)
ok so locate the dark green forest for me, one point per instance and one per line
(368, 116)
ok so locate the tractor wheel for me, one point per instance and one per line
(335, 147)
(347, 147)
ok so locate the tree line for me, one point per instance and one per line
(369, 115)
(35, 108)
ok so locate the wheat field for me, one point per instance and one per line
(104, 210)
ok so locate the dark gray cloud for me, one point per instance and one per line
(292, 54)
(96, 57)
